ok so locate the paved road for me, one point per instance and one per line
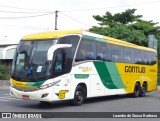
(123, 103)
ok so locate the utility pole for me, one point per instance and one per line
(56, 16)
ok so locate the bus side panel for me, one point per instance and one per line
(61, 90)
(81, 74)
(103, 78)
(132, 73)
(110, 78)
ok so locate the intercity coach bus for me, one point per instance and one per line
(74, 65)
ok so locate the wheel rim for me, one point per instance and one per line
(143, 90)
(79, 96)
(137, 91)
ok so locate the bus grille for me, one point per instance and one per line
(25, 89)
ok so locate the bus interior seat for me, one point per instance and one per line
(114, 57)
(99, 56)
(127, 59)
(89, 55)
(137, 60)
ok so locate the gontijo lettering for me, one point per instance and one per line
(134, 69)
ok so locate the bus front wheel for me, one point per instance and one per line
(79, 96)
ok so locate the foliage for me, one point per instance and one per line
(3, 73)
(126, 26)
(122, 32)
(148, 28)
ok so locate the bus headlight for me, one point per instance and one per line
(49, 85)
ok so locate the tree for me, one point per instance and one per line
(148, 27)
(126, 26)
(3, 73)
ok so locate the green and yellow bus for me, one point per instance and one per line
(75, 64)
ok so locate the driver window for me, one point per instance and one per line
(58, 62)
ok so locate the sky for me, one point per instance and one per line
(22, 17)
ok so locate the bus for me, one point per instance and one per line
(75, 64)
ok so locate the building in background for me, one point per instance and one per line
(7, 49)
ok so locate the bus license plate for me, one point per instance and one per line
(25, 97)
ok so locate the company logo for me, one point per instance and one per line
(134, 69)
(62, 94)
(86, 69)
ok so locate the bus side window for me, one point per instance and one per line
(103, 51)
(99, 51)
(71, 39)
(116, 53)
(86, 50)
(153, 58)
(138, 56)
(146, 57)
(128, 55)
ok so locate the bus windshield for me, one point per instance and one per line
(30, 61)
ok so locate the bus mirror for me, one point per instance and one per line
(53, 48)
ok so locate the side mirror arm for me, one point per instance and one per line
(55, 47)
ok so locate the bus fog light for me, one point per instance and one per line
(44, 95)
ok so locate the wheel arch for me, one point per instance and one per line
(84, 86)
(146, 84)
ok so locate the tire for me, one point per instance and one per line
(79, 96)
(136, 92)
(143, 90)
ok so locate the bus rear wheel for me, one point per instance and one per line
(79, 96)
(143, 90)
(136, 92)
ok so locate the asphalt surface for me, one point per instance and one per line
(120, 103)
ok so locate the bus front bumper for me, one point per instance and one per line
(39, 94)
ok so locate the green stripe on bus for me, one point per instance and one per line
(116, 78)
(105, 75)
(36, 84)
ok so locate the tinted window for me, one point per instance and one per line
(72, 39)
(128, 55)
(138, 56)
(103, 52)
(116, 53)
(153, 58)
(86, 51)
(146, 57)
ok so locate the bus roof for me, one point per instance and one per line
(127, 44)
(51, 34)
(60, 33)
